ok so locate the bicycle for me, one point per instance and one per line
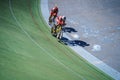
(56, 31)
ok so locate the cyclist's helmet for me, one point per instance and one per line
(63, 18)
(55, 9)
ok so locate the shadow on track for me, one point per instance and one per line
(68, 29)
(66, 41)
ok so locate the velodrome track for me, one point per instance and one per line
(29, 52)
(96, 22)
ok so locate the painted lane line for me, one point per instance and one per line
(82, 52)
(10, 6)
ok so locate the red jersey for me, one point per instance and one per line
(54, 11)
(59, 20)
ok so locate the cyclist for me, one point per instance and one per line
(53, 13)
(60, 21)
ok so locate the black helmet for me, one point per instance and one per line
(63, 18)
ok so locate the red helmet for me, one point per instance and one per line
(55, 8)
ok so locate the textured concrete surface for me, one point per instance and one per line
(94, 22)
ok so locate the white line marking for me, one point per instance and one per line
(10, 6)
(82, 52)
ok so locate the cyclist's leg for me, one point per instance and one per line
(55, 28)
(50, 18)
(54, 18)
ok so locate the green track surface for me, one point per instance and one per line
(29, 52)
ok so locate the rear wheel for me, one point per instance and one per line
(59, 32)
(52, 20)
(53, 32)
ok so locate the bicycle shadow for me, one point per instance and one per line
(68, 29)
(81, 43)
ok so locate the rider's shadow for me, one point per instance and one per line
(74, 42)
(68, 29)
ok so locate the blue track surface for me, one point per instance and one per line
(93, 25)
